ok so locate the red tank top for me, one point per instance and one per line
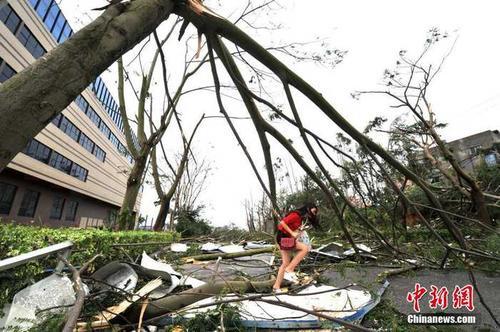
(293, 220)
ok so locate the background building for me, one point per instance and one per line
(74, 172)
(470, 151)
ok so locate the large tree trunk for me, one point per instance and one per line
(174, 302)
(161, 218)
(125, 217)
(30, 99)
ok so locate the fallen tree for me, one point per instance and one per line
(208, 257)
(183, 299)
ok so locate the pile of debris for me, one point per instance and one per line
(151, 292)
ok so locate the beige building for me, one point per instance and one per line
(74, 172)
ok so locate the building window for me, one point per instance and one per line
(490, 159)
(46, 155)
(114, 140)
(58, 26)
(29, 203)
(27, 38)
(57, 208)
(60, 162)
(57, 120)
(96, 119)
(38, 151)
(42, 7)
(474, 150)
(33, 3)
(99, 153)
(9, 18)
(71, 211)
(122, 149)
(51, 16)
(70, 129)
(104, 129)
(7, 194)
(86, 142)
(67, 32)
(82, 103)
(6, 71)
(79, 172)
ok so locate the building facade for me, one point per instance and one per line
(472, 150)
(74, 172)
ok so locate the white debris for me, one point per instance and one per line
(164, 290)
(53, 291)
(351, 251)
(257, 245)
(190, 281)
(150, 263)
(340, 303)
(209, 246)
(271, 260)
(178, 247)
(119, 275)
(231, 248)
(177, 279)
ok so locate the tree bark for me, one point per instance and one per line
(125, 217)
(208, 257)
(183, 299)
(161, 217)
(30, 99)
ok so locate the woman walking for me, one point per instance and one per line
(289, 240)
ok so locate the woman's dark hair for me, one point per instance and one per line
(304, 211)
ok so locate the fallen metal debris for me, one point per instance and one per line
(209, 247)
(178, 247)
(336, 251)
(53, 291)
(115, 275)
(257, 245)
(351, 251)
(232, 248)
(64, 248)
(150, 263)
(332, 250)
(348, 304)
(50, 292)
(176, 279)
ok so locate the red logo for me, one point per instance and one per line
(438, 297)
(462, 297)
(415, 296)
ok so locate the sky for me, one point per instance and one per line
(465, 94)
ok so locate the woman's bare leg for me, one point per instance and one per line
(285, 261)
(301, 252)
